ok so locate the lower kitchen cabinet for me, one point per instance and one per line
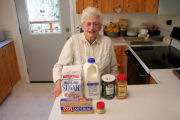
(9, 70)
(152, 81)
(121, 58)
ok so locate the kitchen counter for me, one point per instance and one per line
(122, 41)
(3, 43)
(144, 102)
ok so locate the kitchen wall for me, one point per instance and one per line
(134, 19)
(9, 24)
(166, 29)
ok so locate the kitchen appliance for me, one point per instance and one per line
(1, 36)
(152, 57)
(136, 74)
(175, 34)
(159, 57)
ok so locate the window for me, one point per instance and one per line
(43, 16)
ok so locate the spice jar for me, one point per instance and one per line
(100, 107)
(108, 86)
(121, 86)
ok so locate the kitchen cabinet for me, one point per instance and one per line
(79, 6)
(162, 7)
(13, 63)
(133, 6)
(9, 70)
(105, 6)
(152, 81)
(121, 58)
(5, 83)
(151, 6)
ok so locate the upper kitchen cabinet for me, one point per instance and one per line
(162, 7)
(109, 6)
(168, 7)
(106, 6)
(133, 6)
(79, 6)
(151, 6)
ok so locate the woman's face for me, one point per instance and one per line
(91, 27)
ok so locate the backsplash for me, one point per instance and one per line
(134, 19)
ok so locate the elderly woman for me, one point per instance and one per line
(88, 44)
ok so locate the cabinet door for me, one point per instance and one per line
(121, 58)
(109, 6)
(152, 81)
(13, 64)
(106, 6)
(79, 6)
(5, 83)
(82, 4)
(151, 6)
(133, 6)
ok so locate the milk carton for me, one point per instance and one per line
(92, 84)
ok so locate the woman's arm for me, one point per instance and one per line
(65, 58)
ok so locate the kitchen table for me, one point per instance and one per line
(144, 102)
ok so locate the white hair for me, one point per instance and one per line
(91, 11)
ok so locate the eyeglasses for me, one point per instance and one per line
(95, 24)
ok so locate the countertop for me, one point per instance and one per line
(144, 102)
(5, 42)
(122, 41)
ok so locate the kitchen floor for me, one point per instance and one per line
(28, 101)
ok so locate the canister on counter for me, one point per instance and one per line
(108, 86)
(121, 86)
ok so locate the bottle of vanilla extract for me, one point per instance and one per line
(121, 86)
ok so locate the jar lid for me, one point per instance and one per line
(100, 104)
(91, 60)
(108, 78)
(121, 77)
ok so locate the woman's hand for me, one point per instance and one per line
(57, 89)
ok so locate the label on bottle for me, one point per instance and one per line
(110, 89)
(121, 91)
(93, 89)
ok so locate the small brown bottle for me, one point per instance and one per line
(121, 86)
